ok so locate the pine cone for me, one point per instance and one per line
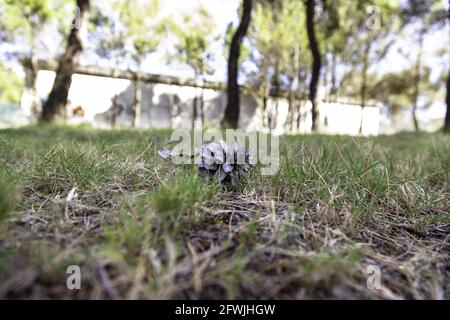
(213, 163)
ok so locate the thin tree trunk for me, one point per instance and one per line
(288, 127)
(36, 107)
(194, 112)
(363, 91)
(231, 116)
(202, 106)
(301, 104)
(30, 100)
(291, 104)
(415, 121)
(137, 101)
(114, 100)
(262, 91)
(417, 79)
(196, 103)
(298, 119)
(447, 99)
(275, 83)
(293, 88)
(174, 110)
(137, 105)
(114, 111)
(276, 86)
(301, 89)
(57, 98)
(326, 71)
(202, 101)
(265, 100)
(317, 63)
(447, 113)
(36, 103)
(333, 92)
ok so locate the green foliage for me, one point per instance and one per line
(289, 32)
(108, 37)
(432, 14)
(25, 15)
(24, 20)
(278, 33)
(396, 89)
(194, 37)
(10, 85)
(142, 30)
(335, 29)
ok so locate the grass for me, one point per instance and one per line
(140, 227)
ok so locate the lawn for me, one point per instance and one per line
(140, 227)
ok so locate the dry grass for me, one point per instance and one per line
(141, 228)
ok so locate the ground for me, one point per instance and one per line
(140, 227)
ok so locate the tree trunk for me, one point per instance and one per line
(265, 100)
(262, 91)
(30, 101)
(447, 113)
(291, 100)
(174, 108)
(326, 71)
(202, 106)
(194, 111)
(231, 116)
(415, 121)
(417, 79)
(137, 101)
(301, 89)
(114, 110)
(114, 100)
(317, 63)
(202, 100)
(57, 98)
(333, 92)
(196, 103)
(363, 91)
(276, 86)
(293, 88)
(447, 100)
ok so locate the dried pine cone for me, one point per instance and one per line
(213, 163)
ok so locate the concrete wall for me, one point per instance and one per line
(170, 106)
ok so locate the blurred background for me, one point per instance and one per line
(163, 64)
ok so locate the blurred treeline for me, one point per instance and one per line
(332, 50)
